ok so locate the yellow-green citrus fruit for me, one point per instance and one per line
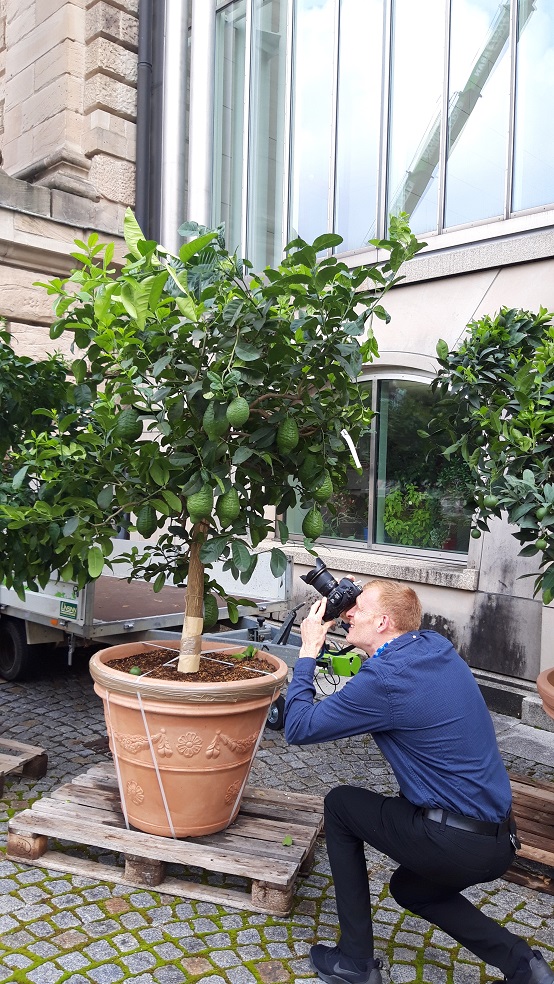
(541, 543)
(490, 501)
(210, 611)
(128, 426)
(324, 488)
(215, 424)
(475, 533)
(541, 512)
(238, 412)
(309, 469)
(200, 504)
(228, 507)
(312, 525)
(287, 435)
(146, 521)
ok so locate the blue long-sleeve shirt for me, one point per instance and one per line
(421, 703)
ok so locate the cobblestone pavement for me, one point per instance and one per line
(57, 928)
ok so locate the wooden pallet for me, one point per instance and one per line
(88, 812)
(25, 760)
(534, 813)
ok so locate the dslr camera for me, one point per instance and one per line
(340, 595)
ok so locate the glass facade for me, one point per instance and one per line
(333, 114)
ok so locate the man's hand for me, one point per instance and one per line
(313, 630)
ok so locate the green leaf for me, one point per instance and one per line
(247, 352)
(327, 241)
(71, 525)
(172, 500)
(442, 350)
(241, 555)
(278, 562)
(188, 250)
(132, 233)
(287, 841)
(187, 307)
(213, 549)
(95, 562)
(17, 480)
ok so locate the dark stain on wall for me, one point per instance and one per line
(495, 642)
(439, 623)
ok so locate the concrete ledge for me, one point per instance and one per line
(421, 571)
(533, 713)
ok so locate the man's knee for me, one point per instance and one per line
(402, 889)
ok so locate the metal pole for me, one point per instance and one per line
(144, 90)
(201, 113)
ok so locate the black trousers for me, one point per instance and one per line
(436, 863)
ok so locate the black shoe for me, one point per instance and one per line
(539, 972)
(335, 967)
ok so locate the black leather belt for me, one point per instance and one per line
(466, 823)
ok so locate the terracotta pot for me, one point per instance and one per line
(182, 751)
(545, 687)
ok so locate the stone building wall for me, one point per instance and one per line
(68, 74)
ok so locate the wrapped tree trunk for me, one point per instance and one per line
(191, 639)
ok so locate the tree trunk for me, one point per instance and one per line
(191, 639)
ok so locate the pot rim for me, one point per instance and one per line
(116, 681)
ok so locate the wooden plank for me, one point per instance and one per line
(30, 750)
(53, 807)
(55, 861)
(150, 846)
(302, 800)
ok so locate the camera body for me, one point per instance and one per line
(340, 595)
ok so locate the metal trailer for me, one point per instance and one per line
(111, 608)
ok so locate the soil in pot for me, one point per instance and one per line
(159, 664)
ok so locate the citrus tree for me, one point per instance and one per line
(497, 390)
(201, 394)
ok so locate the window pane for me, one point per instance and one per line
(359, 110)
(416, 107)
(312, 116)
(420, 496)
(229, 117)
(478, 116)
(534, 136)
(265, 194)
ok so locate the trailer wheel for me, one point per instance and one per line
(276, 715)
(15, 653)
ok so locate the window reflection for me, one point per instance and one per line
(359, 111)
(420, 496)
(534, 136)
(416, 102)
(479, 106)
(312, 117)
(265, 234)
(229, 114)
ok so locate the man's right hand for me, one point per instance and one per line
(313, 630)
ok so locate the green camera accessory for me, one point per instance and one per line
(345, 665)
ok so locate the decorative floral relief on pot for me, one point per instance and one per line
(136, 743)
(135, 792)
(233, 791)
(239, 745)
(189, 744)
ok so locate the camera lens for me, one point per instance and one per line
(319, 578)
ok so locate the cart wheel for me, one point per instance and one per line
(15, 652)
(276, 715)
